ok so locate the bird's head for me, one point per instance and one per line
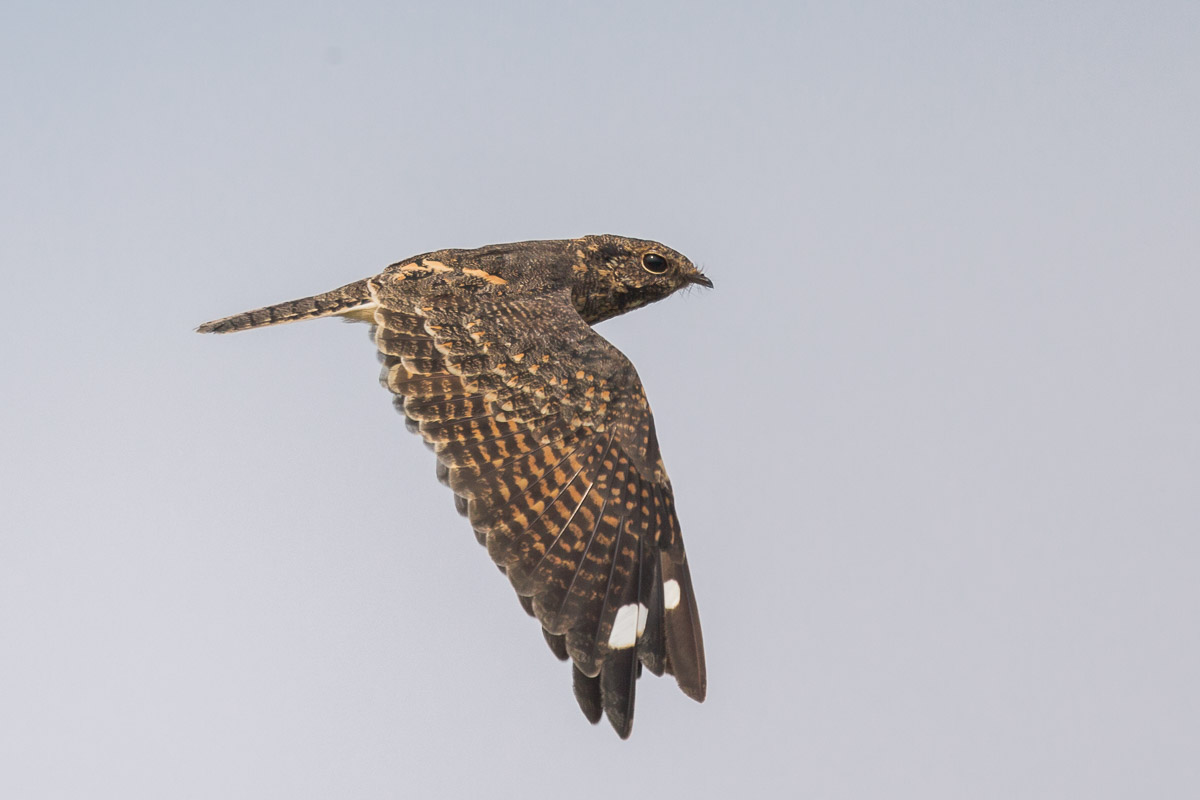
(618, 274)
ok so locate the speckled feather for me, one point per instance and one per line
(543, 431)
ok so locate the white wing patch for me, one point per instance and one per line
(628, 626)
(630, 622)
(670, 594)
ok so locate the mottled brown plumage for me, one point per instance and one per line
(542, 430)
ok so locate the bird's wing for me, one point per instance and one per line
(542, 430)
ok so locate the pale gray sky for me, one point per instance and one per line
(934, 437)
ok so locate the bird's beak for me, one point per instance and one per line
(701, 279)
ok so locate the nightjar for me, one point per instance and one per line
(543, 432)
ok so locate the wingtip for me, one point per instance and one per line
(696, 691)
(685, 642)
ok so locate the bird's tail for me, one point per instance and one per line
(353, 301)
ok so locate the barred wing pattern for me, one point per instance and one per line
(542, 430)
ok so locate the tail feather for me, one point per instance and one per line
(352, 300)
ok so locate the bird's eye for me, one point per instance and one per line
(654, 263)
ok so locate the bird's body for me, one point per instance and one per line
(543, 432)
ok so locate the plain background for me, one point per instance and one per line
(935, 434)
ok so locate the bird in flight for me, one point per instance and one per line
(543, 432)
